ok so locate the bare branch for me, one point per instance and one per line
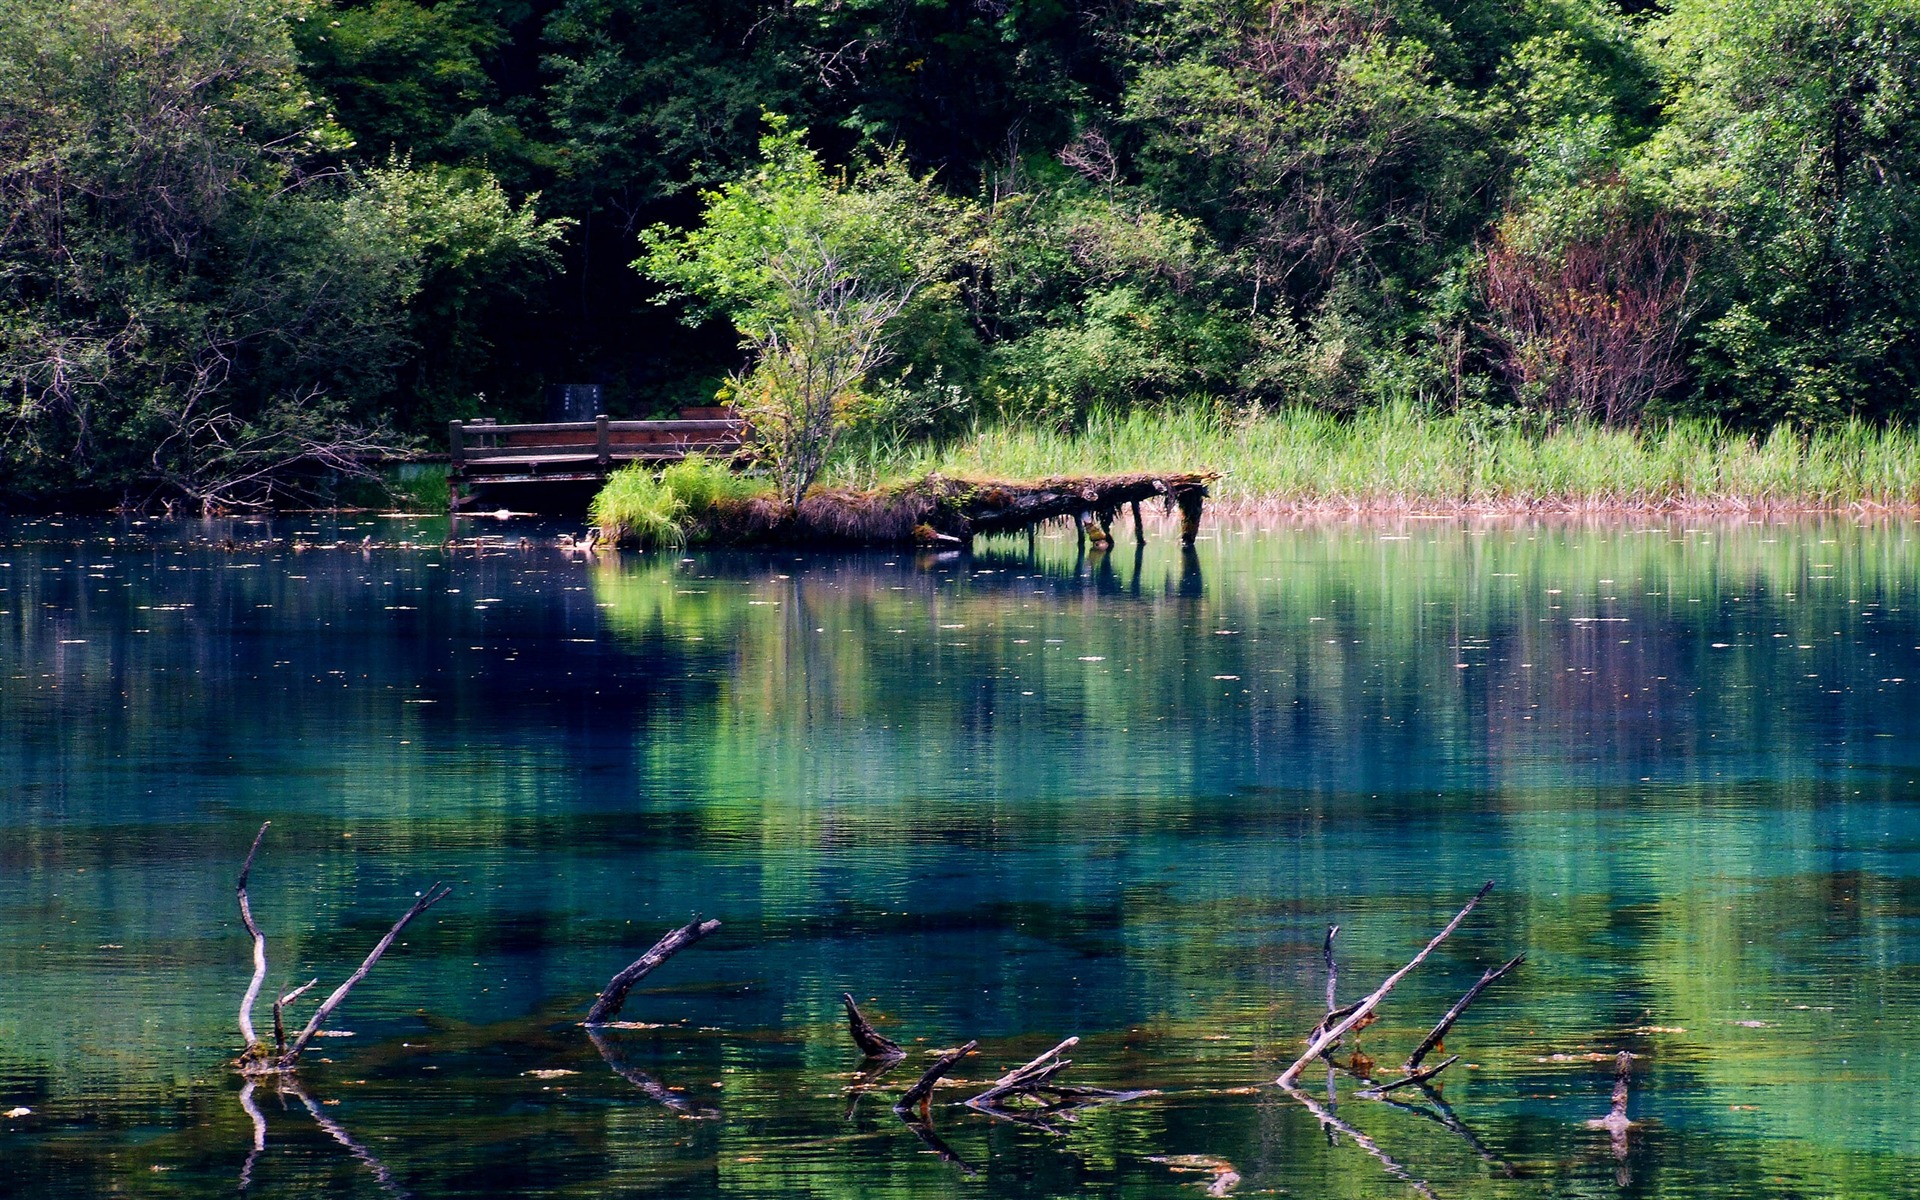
(608, 1006)
(431, 897)
(917, 1096)
(1460, 1006)
(259, 944)
(1333, 1033)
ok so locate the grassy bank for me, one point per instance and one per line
(1400, 458)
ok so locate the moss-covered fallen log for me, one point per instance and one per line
(936, 510)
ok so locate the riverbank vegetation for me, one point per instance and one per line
(1398, 456)
(247, 246)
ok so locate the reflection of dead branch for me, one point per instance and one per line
(259, 1120)
(608, 1006)
(1445, 1117)
(933, 1141)
(866, 1080)
(1332, 1033)
(291, 1086)
(654, 1090)
(1329, 1121)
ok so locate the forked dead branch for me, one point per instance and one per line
(257, 1058)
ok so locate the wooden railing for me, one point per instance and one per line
(485, 452)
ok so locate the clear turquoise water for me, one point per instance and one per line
(997, 798)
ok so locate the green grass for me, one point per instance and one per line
(419, 488)
(1401, 457)
(641, 507)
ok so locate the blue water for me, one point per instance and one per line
(996, 797)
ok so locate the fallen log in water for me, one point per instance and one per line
(936, 510)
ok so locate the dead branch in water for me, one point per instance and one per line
(1615, 1122)
(259, 944)
(257, 1059)
(920, 1093)
(608, 1006)
(1035, 1081)
(1331, 1034)
(1380, 1089)
(1460, 1006)
(432, 896)
(865, 1036)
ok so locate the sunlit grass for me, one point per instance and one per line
(1398, 455)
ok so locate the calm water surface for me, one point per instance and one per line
(1004, 798)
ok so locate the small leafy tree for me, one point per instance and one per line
(823, 277)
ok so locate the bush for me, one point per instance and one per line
(670, 508)
(636, 506)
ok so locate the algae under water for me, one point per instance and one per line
(994, 797)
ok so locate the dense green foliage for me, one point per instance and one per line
(237, 235)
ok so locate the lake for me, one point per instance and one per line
(999, 797)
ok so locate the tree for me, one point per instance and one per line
(823, 278)
(1793, 138)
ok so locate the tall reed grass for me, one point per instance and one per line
(1398, 456)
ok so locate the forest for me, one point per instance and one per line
(241, 239)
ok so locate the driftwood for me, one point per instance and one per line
(1035, 1081)
(1615, 1122)
(865, 1036)
(1433, 1039)
(614, 997)
(939, 510)
(257, 1059)
(918, 1096)
(1330, 1034)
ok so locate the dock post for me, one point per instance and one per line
(1190, 501)
(602, 445)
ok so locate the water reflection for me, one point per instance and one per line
(1014, 797)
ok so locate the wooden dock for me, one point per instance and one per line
(483, 454)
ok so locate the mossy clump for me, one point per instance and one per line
(682, 503)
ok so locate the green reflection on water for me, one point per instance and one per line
(1006, 798)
